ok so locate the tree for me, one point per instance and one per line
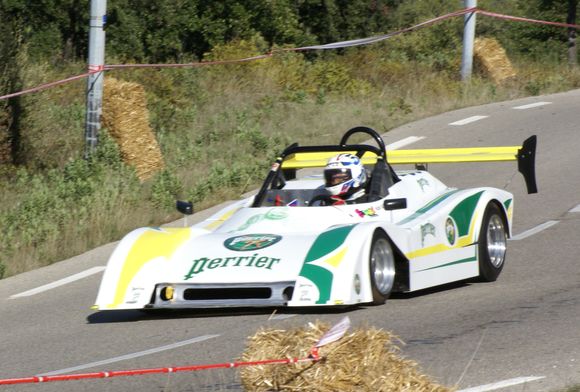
(10, 81)
(572, 53)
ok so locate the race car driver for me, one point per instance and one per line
(345, 179)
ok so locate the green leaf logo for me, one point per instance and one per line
(251, 242)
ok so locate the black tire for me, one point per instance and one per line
(492, 243)
(381, 267)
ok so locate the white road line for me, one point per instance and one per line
(58, 283)
(535, 230)
(282, 316)
(531, 105)
(575, 209)
(502, 384)
(131, 356)
(468, 120)
(404, 142)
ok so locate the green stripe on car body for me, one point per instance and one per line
(463, 213)
(507, 203)
(327, 242)
(427, 207)
(467, 260)
(324, 244)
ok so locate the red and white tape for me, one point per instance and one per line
(45, 86)
(519, 19)
(137, 372)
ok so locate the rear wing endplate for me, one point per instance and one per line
(525, 155)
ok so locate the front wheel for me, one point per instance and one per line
(381, 267)
(492, 244)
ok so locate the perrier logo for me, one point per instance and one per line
(251, 241)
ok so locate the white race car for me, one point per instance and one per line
(285, 247)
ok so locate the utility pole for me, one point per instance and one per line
(96, 62)
(468, 38)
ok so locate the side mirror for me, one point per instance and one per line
(185, 207)
(395, 204)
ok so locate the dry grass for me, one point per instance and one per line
(364, 360)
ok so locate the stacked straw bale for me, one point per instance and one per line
(126, 117)
(493, 59)
(363, 360)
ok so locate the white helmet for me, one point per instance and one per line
(344, 174)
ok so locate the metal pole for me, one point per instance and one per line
(96, 62)
(468, 38)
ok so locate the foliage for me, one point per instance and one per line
(53, 29)
(11, 60)
(165, 190)
(58, 202)
(161, 31)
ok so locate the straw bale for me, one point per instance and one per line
(366, 359)
(493, 59)
(126, 117)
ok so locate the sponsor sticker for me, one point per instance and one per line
(135, 295)
(450, 231)
(251, 242)
(427, 229)
(371, 211)
(254, 261)
(305, 291)
(357, 283)
(423, 183)
(272, 214)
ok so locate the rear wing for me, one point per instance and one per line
(524, 154)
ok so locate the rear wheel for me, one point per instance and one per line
(492, 244)
(381, 267)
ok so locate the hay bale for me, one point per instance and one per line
(126, 117)
(363, 360)
(493, 59)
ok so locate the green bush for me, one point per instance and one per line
(165, 190)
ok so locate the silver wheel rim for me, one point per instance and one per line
(383, 266)
(496, 241)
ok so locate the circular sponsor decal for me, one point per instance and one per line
(450, 231)
(251, 241)
(357, 283)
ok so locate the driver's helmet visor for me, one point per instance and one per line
(334, 177)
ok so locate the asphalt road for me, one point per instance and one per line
(470, 335)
